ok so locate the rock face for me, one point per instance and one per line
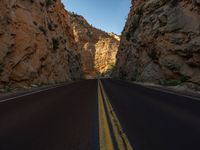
(97, 48)
(161, 43)
(35, 43)
(42, 43)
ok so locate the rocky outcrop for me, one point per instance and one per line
(161, 43)
(97, 48)
(36, 43)
(42, 43)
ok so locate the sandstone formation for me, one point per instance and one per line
(35, 43)
(97, 48)
(161, 43)
(42, 43)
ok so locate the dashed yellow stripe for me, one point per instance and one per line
(120, 137)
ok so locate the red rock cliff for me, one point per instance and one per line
(35, 43)
(97, 48)
(42, 43)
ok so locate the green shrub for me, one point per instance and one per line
(174, 82)
(74, 14)
(7, 88)
(170, 82)
(109, 70)
(184, 78)
(89, 33)
(111, 66)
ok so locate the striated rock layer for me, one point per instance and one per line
(97, 48)
(161, 43)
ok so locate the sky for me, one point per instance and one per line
(107, 15)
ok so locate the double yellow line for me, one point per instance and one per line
(109, 125)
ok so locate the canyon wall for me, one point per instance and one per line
(97, 48)
(36, 43)
(42, 43)
(161, 43)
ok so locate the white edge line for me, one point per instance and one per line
(29, 93)
(174, 93)
(165, 91)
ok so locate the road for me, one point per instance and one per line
(155, 120)
(105, 115)
(63, 118)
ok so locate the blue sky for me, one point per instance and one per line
(108, 15)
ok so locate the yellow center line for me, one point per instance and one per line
(105, 139)
(120, 137)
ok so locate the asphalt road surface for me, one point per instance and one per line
(67, 118)
(155, 120)
(63, 118)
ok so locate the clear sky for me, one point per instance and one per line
(108, 15)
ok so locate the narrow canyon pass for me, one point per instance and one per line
(42, 43)
(66, 85)
(161, 43)
(97, 48)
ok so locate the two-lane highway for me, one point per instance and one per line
(105, 115)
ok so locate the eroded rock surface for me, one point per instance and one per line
(161, 43)
(42, 43)
(35, 43)
(97, 48)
